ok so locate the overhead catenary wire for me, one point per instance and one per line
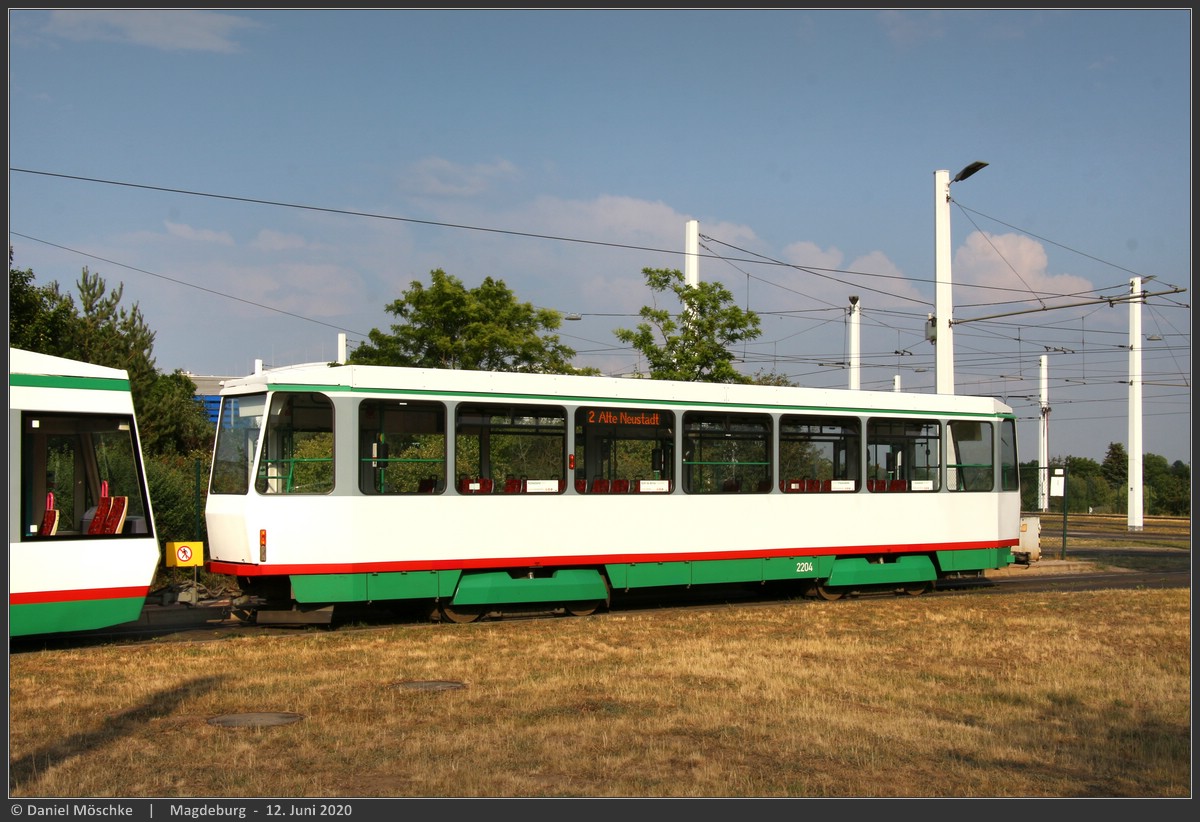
(834, 275)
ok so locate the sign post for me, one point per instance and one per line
(184, 555)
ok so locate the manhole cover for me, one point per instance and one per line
(255, 720)
(432, 685)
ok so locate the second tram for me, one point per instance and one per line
(82, 549)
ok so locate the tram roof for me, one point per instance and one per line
(583, 389)
(30, 362)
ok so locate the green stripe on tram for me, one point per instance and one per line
(585, 584)
(58, 381)
(81, 615)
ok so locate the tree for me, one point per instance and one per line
(39, 319)
(103, 332)
(447, 325)
(170, 419)
(1116, 466)
(762, 377)
(1167, 486)
(109, 334)
(694, 343)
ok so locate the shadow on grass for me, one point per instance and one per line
(28, 769)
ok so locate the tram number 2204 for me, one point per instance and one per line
(805, 567)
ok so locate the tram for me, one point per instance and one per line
(82, 549)
(483, 493)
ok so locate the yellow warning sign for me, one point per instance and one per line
(185, 554)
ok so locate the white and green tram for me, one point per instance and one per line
(482, 493)
(82, 549)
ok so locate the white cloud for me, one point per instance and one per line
(437, 176)
(1011, 267)
(809, 255)
(911, 28)
(268, 240)
(186, 232)
(165, 29)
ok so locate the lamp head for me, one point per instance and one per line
(968, 171)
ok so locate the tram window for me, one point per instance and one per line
(623, 449)
(726, 453)
(297, 449)
(969, 462)
(401, 447)
(819, 453)
(494, 442)
(903, 455)
(238, 427)
(76, 457)
(1010, 477)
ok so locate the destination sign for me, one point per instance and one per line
(613, 416)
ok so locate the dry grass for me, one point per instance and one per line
(1035, 695)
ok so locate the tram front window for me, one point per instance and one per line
(69, 461)
(238, 427)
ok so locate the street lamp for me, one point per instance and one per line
(943, 293)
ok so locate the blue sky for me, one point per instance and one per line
(261, 180)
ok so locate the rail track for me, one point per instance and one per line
(1110, 568)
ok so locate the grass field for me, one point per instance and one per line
(1028, 695)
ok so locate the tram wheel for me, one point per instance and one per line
(829, 593)
(915, 589)
(461, 614)
(582, 609)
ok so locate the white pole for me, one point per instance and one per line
(341, 348)
(854, 343)
(1135, 405)
(943, 295)
(896, 383)
(691, 253)
(1044, 439)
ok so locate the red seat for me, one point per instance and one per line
(898, 485)
(600, 486)
(49, 519)
(580, 486)
(115, 521)
(620, 486)
(101, 515)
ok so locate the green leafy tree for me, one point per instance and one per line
(770, 378)
(170, 420)
(1116, 467)
(39, 319)
(107, 333)
(1167, 486)
(447, 325)
(693, 342)
(102, 331)
(1088, 487)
